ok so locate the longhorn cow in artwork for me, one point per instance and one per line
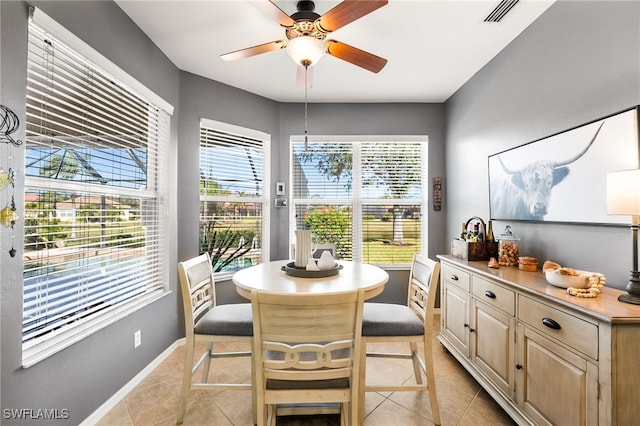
(525, 193)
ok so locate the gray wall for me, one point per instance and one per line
(83, 376)
(578, 62)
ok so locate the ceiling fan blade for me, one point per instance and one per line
(355, 56)
(270, 9)
(304, 76)
(252, 51)
(347, 12)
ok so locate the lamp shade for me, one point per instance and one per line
(623, 192)
(305, 50)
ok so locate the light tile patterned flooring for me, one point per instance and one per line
(461, 399)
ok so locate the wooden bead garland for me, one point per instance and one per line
(597, 282)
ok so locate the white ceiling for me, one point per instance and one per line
(432, 46)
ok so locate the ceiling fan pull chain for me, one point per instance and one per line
(306, 87)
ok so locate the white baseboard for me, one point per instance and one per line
(135, 381)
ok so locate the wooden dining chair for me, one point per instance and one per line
(205, 321)
(306, 353)
(411, 323)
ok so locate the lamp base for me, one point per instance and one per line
(633, 289)
(629, 298)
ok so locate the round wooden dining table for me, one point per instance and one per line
(269, 276)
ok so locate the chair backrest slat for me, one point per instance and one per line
(333, 355)
(423, 285)
(198, 288)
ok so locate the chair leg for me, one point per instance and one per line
(345, 415)
(254, 391)
(271, 415)
(362, 382)
(262, 416)
(207, 364)
(431, 382)
(351, 408)
(417, 371)
(186, 381)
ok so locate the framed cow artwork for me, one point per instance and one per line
(563, 177)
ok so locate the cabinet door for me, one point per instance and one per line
(553, 384)
(455, 317)
(492, 345)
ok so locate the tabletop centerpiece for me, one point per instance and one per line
(305, 265)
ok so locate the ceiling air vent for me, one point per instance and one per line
(500, 11)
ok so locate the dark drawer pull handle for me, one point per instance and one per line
(454, 277)
(490, 294)
(518, 366)
(551, 323)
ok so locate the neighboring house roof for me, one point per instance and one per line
(31, 197)
(77, 202)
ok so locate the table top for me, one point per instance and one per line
(270, 276)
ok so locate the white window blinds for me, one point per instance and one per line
(95, 214)
(366, 196)
(233, 195)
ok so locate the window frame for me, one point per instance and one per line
(264, 200)
(358, 201)
(40, 348)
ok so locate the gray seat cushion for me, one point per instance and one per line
(389, 319)
(227, 320)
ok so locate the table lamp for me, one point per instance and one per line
(623, 198)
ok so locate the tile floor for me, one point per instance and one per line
(461, 400)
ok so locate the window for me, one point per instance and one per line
(95, 214)
(233, 196)
(366, 196)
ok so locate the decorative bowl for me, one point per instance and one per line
(565, 281)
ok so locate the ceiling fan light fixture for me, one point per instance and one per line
(305, 50)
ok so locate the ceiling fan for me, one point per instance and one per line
(306, 33)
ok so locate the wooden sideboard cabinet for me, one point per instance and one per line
(546, 357)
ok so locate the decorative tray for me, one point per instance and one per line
(294, 271)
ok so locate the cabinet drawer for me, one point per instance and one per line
(568, 329)
(494, 295)
(455, 276)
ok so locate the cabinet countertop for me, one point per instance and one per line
(606, 307)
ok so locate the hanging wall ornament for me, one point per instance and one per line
(6, 178)
(9, 124)
(8, 217)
